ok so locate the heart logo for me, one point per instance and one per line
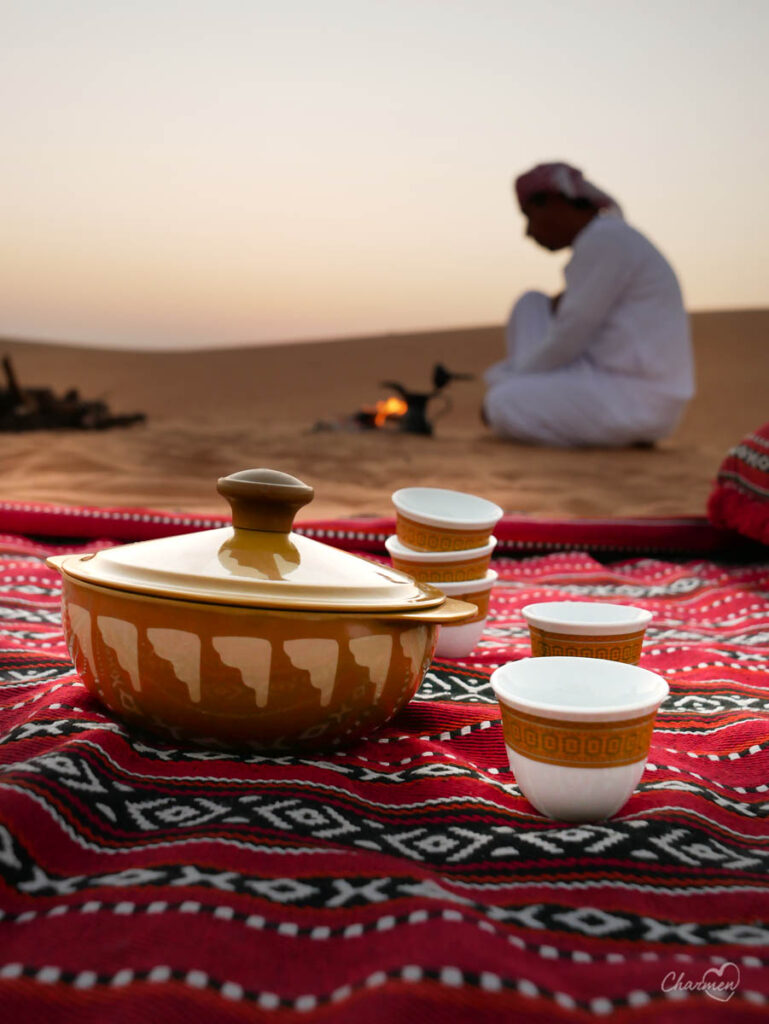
(721, 982)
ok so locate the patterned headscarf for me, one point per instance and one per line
(566, 180)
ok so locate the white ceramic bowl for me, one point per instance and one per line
(459, 641)
(438, 567)
(435, 519)
(577, 731)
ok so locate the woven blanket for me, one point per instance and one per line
(407, 878)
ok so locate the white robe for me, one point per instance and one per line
(613, 366)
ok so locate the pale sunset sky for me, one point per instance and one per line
(200, 173)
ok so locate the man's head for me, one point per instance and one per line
(554, 221)
(558, 202)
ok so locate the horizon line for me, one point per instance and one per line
(166, 348)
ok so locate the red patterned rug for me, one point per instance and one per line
(406, 879)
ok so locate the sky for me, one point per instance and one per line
(186, 174)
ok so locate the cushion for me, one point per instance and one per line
(740, 496)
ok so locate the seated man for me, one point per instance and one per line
(607, 362)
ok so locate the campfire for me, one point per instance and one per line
(389, 409)
(405, 411)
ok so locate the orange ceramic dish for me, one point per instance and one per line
(251, 634)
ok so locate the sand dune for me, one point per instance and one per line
(211, 412)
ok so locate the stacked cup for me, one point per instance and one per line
(445, 538)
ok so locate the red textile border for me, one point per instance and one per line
(515, 533)
(693, 535)
(88, 521)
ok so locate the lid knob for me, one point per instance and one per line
(264, 499)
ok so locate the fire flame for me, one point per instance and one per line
(391, 406)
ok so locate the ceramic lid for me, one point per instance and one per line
(257, 561)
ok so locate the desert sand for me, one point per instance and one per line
(212, 412)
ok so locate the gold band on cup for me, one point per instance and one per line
(620, 647)
(447, 572)
(578, 744)
(421, 537)
(481, 602)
